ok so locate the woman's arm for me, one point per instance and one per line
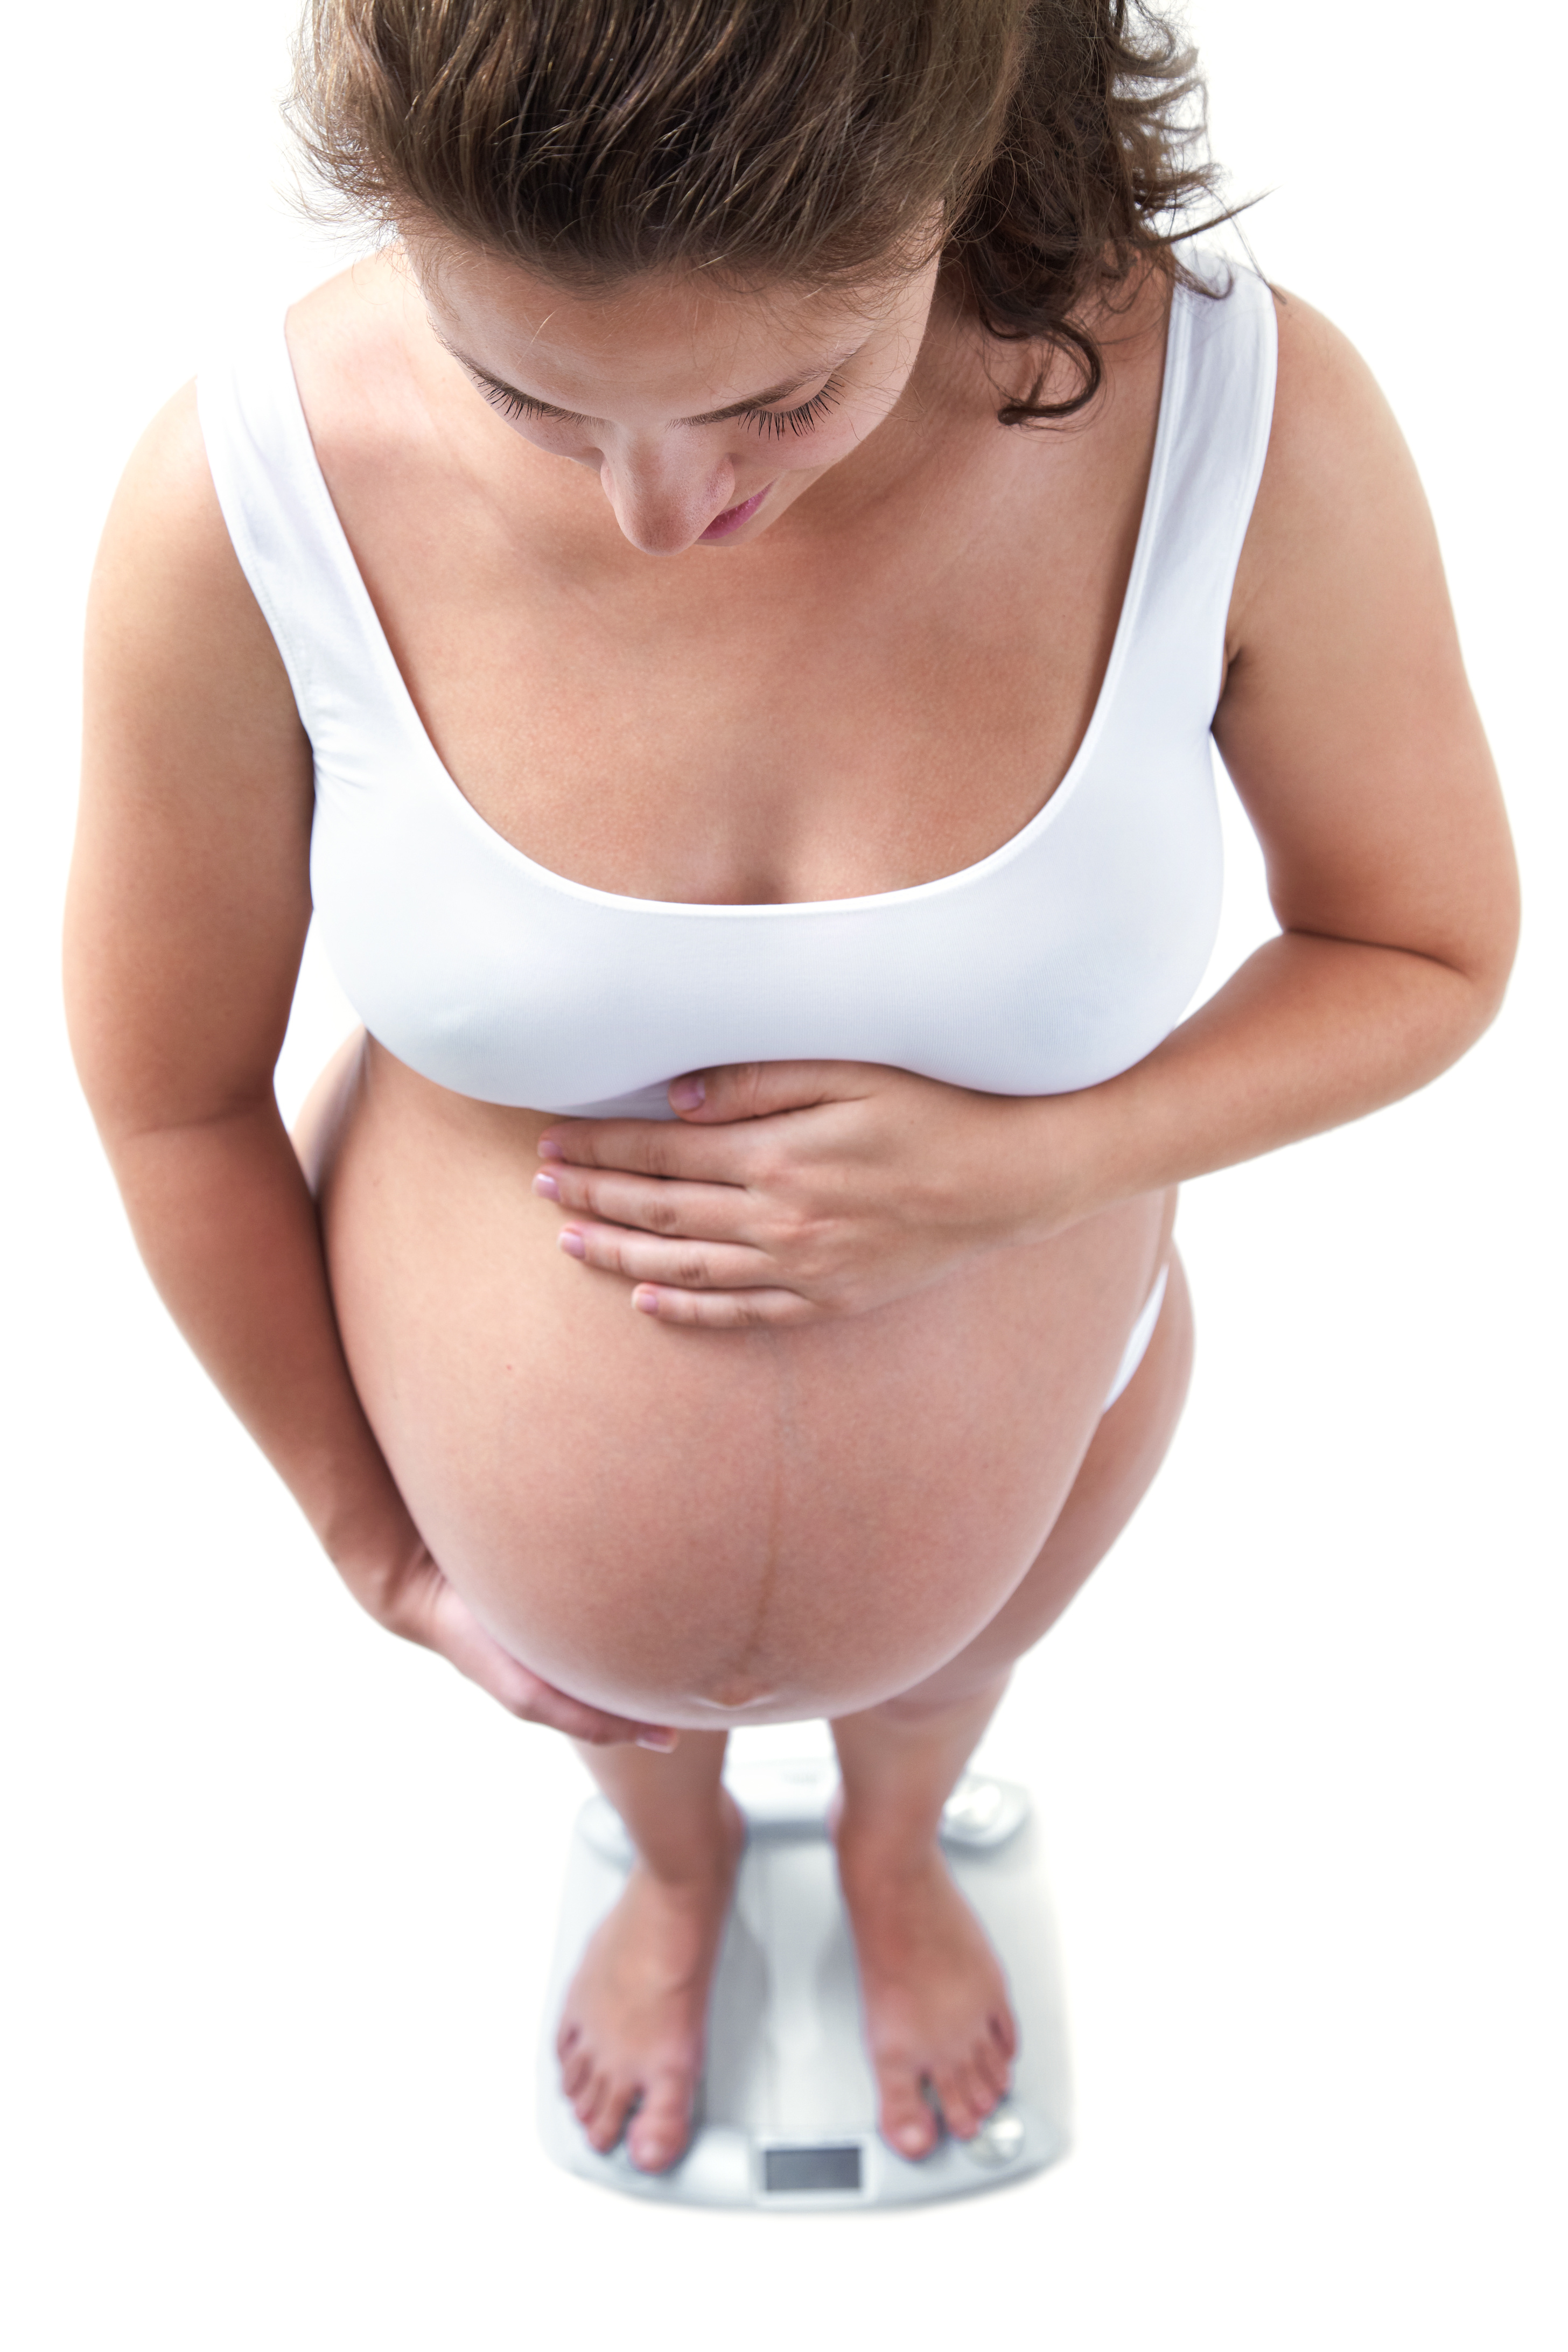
(188, 907)
(798, 1189)
(1350, 733)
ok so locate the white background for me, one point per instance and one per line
(281, 1890)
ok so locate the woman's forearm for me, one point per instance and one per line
(1309, 1033)
(228, 1229)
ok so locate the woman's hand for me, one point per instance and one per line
(790, 1192)
(428, 1609)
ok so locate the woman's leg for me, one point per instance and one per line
(934, 1996)
(633, 2026)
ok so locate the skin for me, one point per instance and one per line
(792, 1406)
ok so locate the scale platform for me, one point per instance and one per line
(786, 2111)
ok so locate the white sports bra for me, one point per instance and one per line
(1061, 959)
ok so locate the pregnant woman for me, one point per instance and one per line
(722, 619)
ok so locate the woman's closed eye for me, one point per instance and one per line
(772, 423)
(514, 404)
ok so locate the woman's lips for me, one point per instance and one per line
(733, 517)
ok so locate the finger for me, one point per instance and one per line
(596, 1729)
(724, 1310)
(690, 1211)
(742, 1090)
(687, 1265)
(540, 1702)
(642, 1147)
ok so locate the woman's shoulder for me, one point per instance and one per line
(174, 626)
(1326, 397)
(1337, 473)
(167, 503)
(165, 561)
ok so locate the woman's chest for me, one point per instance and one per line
(814, 717)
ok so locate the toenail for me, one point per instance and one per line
(912, 2138)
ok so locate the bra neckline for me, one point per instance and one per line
(545, 877)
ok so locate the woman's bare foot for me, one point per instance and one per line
(634, 2021)
(937, 2012)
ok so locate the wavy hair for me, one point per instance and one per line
(1060, 143)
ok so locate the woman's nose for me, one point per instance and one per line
(663, 504)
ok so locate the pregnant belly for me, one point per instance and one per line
(703, 1527)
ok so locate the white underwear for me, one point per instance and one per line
(1138, 1338)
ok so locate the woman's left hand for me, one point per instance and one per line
(792, 1191)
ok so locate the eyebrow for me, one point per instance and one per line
(713, 415)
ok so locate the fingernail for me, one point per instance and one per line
(646, 1300)
(548, 1151)
(688, 1094)
(572, 1243)
(547, 1188)
(661, 1743)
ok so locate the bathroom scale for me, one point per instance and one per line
(785, 2115)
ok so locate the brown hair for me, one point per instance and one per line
(1059, 141)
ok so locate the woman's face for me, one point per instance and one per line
(704, 413)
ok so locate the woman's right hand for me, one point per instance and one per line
(428, 1610)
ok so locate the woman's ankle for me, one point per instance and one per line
(884, 1847)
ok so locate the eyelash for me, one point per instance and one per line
(772, 423)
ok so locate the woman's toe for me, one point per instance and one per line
(963, 2103)
(607, 2117)
(993, 2082)
(908, 2124)
(589, 2092)
(662, 2126)
(994, 2071)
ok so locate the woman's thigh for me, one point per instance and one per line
(1126, 1450)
